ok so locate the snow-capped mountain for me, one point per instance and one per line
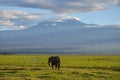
(64, 23)
(62, 36)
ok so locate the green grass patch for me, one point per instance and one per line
(73, 67)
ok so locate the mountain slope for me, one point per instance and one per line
(66, 36)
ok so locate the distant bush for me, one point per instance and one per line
(5, 53)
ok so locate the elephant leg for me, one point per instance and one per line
(52, 66)
(58, 66)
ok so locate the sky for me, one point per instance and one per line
(20, 14)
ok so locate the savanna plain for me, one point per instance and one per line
(73, 67)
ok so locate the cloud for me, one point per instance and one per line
(6, 23)
(63, 6)
(118, 2)
(60, 18)
(22, 27)
(14, 14)
(14, 19)
(10, 25)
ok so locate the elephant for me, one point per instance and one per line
(54, 61)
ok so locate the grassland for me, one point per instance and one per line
(73, 67)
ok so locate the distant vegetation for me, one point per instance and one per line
(5, 53)
(73, 67)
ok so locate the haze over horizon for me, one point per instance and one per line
(60, 26)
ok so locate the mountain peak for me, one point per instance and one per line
(61, 23)
(64, 18)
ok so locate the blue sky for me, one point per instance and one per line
(104, 17)
(17, 14)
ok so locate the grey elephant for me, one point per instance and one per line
(54, 61)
